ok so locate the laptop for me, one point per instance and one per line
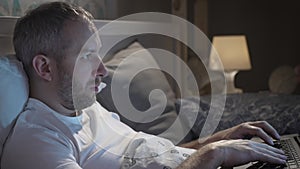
(290, 144)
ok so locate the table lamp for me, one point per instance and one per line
(233, 53)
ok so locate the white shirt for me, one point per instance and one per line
(43, 138)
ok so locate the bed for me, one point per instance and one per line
(280, 110)
(186, 117)
(179, 118)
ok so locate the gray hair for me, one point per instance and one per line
(40, 31)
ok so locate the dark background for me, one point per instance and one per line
(272, 31)
(271, 27)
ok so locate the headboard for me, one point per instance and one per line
(6, 33)
(147, 40)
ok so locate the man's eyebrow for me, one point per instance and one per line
(89, 50)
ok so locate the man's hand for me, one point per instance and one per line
(261, 129)
(246, 130)
(229, 153)
(238, 152)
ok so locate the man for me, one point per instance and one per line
(63, 126)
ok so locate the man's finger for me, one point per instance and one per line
(267, 128)
(265, 153)
(257, 131)
(266, 147)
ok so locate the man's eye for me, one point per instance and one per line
(87, 56)
(90, 56)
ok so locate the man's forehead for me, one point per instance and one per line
(94, 40)
(81, 34)
(93, 43)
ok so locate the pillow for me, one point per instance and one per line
(124, 64)
(14, 93)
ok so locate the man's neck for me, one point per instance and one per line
(51, 100)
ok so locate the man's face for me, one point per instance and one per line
(81, 70)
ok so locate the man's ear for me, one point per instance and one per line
(42, 67)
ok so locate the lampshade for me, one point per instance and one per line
(232, 51)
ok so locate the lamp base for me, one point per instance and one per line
(230, 82)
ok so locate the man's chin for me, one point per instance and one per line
(84, 103)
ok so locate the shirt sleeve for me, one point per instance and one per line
(38, 148)
(152, 152)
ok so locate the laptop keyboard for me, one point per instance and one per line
(263, 165)
(293, 159)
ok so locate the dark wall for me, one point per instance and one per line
(272, 30)
(126, 7)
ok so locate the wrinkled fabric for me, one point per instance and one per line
(43, 138)
(282, 111)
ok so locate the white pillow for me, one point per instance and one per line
(14, 93)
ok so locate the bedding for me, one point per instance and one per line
(282, 111)
(13, 93)
(126, 63)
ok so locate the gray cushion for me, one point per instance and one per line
(121, 67)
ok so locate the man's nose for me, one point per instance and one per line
(102, 71)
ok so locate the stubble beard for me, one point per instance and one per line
(74, 97)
